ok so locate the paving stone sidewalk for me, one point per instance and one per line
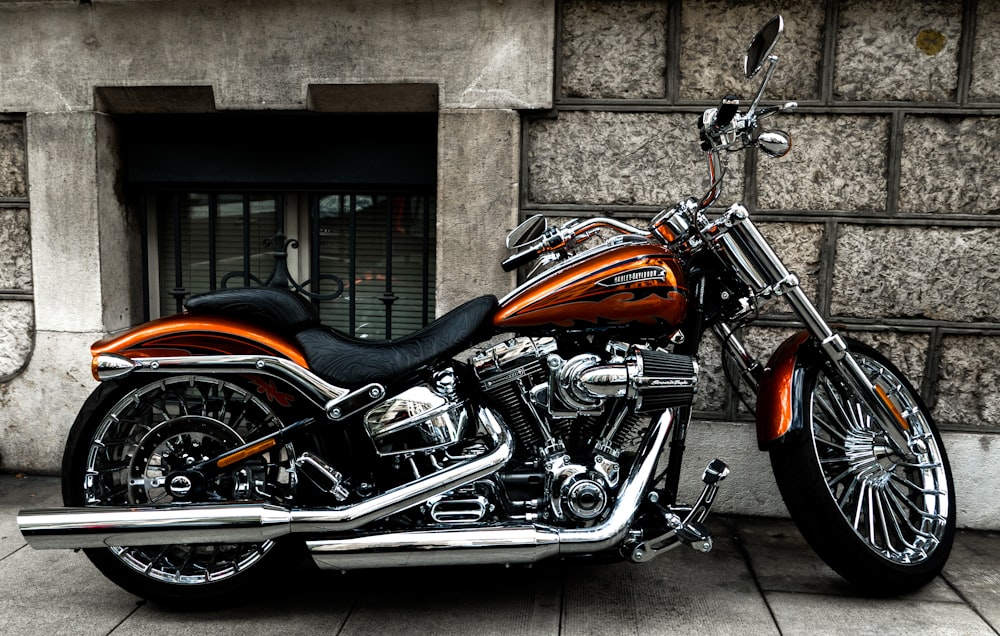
(761, 578)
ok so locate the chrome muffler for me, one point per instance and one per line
(58, 528)
(498, 544)
(93, 527)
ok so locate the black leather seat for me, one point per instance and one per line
(349, 362)
(277, 309)
(336, 357)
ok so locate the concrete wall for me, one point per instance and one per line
(886, 207)
(69, 248)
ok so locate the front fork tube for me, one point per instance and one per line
(741, 244)
(835, 349)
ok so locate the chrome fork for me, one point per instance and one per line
(736, 238)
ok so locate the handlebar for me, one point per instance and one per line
(727, 110)
(523, 258)
(571, 233)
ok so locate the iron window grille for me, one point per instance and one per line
(365, 259)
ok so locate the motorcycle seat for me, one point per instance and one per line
(279, 310)
(351, 362)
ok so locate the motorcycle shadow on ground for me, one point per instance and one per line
(727, 586)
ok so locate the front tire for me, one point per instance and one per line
(884, 522)
(132, 438)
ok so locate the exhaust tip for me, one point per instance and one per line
(72, 528)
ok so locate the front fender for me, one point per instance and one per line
(779, 394)
(186, 335)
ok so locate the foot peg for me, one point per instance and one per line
(695, 535)
(689, 530)
(715, 472)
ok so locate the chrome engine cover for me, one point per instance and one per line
(421, 418)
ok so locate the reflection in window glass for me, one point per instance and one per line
(382, 249)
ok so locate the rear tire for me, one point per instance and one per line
(129, 436)
(883, 523)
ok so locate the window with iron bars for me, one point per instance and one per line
(365, 257)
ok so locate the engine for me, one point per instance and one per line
(572, 417)
(585, 384)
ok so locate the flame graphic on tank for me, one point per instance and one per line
(624, 285)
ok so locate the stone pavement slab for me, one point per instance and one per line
(819, 614)
(761, 578)
(974, 571)
(15, 494)
(58, 592)
(681, 591)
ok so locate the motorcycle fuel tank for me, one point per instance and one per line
(632, 285)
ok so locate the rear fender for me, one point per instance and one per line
(780, 393)
(185, 335)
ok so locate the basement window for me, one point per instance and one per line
(350, 197)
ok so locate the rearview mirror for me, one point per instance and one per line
(527, 232)
(761, 46)
(774, 143)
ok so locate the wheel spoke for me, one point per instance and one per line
(831, 425)
(859, 508)
(845, 498)
(159, 556)
(903, 500)
(834, 408)
(826, 442)
(909, 484)
(890, 524)
(901, 506)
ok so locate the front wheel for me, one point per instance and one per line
(133, 443)
(882, 517)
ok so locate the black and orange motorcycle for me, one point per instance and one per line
(233, 438)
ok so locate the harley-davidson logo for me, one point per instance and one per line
(635, 276)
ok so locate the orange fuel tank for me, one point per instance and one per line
(631, 285)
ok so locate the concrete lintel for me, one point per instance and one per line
(373, 98)
(133, 100)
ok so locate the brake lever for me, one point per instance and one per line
(586, 236)
(767, 111)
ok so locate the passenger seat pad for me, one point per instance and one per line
(277, 309)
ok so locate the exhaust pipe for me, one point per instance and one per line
(498, 544)
(95, 528)
(61, 528)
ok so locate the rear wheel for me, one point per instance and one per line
(881, 515)
(133, 444)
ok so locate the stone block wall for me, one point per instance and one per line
(16, 307)
(888, 206)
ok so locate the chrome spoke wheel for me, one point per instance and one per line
(144, 452)
(895, 499)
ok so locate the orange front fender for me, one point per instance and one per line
(186, 335)
(778, 402)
